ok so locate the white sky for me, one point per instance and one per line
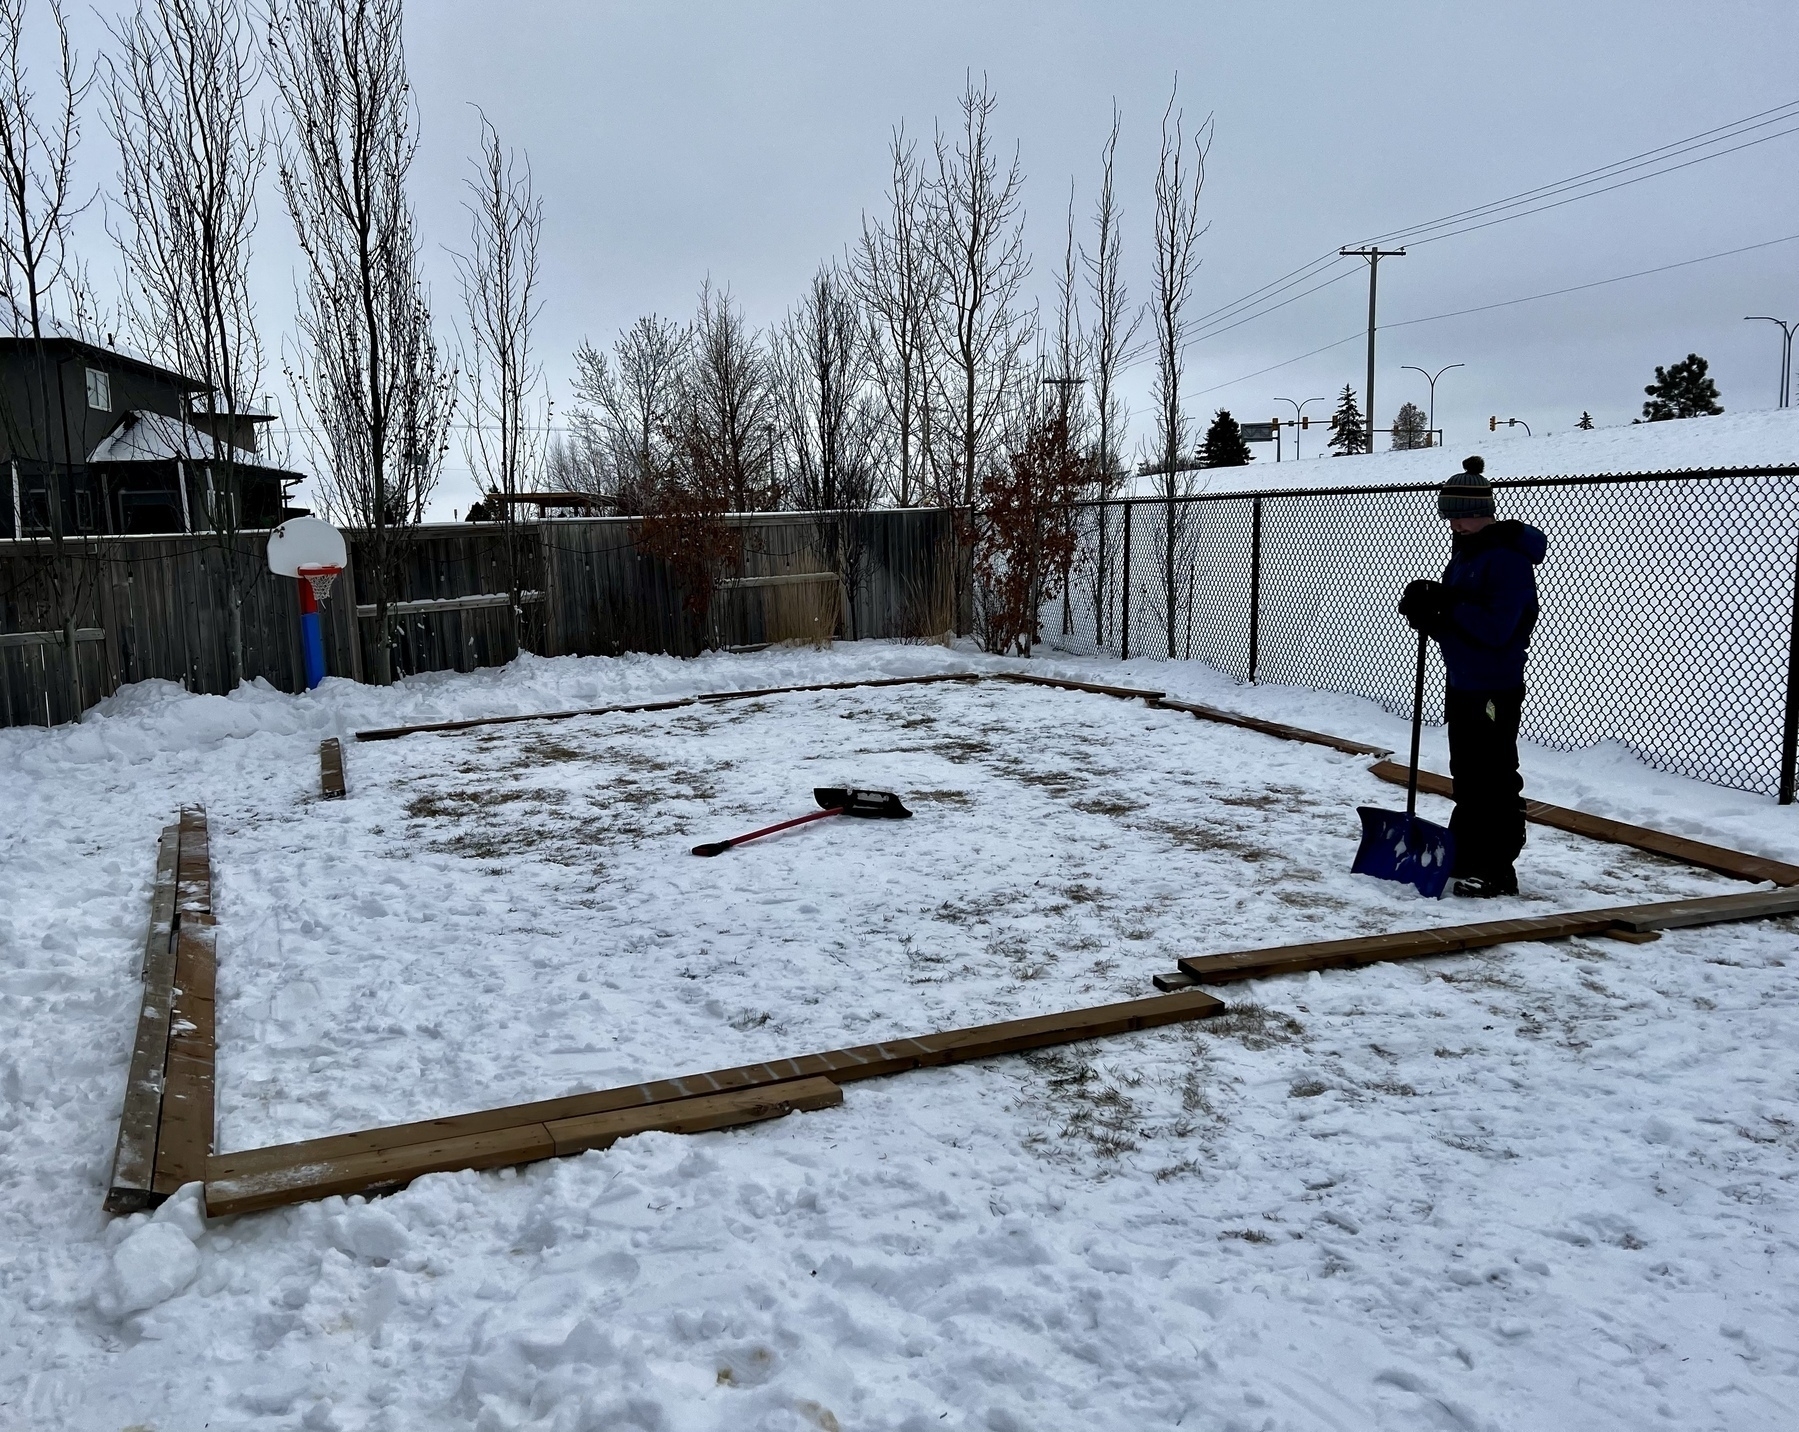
(672, 142)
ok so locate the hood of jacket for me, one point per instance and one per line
(1521, 537)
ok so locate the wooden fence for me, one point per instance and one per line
(144, 607)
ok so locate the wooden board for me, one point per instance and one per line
(930, 680)
(1172, 980)
(393, 733)
(1676, 847)
(185, 1135)
(696, 1115)
(1453, 939)
(134, 1159)
(276, 1166)
(331, 768)
(1126, 692)
(193, 869)
(1715, 910)
(1273, 728)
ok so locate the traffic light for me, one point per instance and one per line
(1305, 424)
(1493, 425)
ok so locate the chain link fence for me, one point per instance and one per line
(1668, 604)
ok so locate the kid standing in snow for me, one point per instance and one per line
(1481, 615)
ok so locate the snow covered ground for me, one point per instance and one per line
(1543, 1186)
(1765, 438)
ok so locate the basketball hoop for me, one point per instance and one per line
(320, 579)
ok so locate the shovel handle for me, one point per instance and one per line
(719, 847)
(1411, 785)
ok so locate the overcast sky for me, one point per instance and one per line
(675, 141)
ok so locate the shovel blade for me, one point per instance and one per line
(871, 805)
(1405, 849)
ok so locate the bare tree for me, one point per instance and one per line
(1062, 373)
(45, 287)
(625, 409)
(1179, 181)
(979, 263)
(726, 420)
(504, 436)
(191, 155)
(830, 420)
(895, 281)
(1114, 327)
(372, 375)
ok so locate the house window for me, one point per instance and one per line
(99, 390)
(84, 512)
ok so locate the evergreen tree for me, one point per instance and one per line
(1411, 429)
(1224, 445)
(1682, 391)
(1349, 434)
(1586, 422)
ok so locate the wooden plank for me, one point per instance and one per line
(373, 1171)
(1712, 910)
(431, 606)
(1631, 937)
(1719, 858)
(1172, 980)
(696, 1115)
(840, 1066)
(1273, 728)
(1401, 945)
(1125, 692)
(390, 733)
(193, 871)
(185, 1136)
(331, 767)
(714, 696)
(134, 1159)
(1453, 939)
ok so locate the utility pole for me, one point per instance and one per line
(1787, 330)
(1374, 256)
(1432, 378)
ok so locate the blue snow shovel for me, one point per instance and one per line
(1403, 847)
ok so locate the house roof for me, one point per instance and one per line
(63, 348)
(156, 437)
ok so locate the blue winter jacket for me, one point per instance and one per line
(1490, 606)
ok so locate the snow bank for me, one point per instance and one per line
(1769, 438)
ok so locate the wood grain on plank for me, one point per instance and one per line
(1124, 692)
(696, 1115)
(1718, 858)
(1273, 728)
(134, 1158)
(841, 1065)
(185, 1136)
(331, 768)
(1712, 910)
(193, 870)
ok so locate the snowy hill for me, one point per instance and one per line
(1769, 438)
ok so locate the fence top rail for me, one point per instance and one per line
(1594, 479)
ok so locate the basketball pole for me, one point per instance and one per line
(312, 635)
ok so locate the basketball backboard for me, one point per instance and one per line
(305, 542)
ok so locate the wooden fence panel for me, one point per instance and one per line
(165, 604)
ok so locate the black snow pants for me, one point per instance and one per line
(1488, 823)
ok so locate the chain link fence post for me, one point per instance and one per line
(1255, 587)
(1789, 737)
(1124, 595)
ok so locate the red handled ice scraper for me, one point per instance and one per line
(1403, 847)
(870, 805)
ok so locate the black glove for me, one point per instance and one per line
(1424, 605)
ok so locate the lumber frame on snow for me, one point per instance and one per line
(166, 1130)
(166, 1122)
(381, 1160)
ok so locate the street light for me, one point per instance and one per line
(1431, 378)
(1298, 410)
(1786, 351)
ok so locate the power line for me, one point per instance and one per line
(1586, 185)
(1505, 303)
